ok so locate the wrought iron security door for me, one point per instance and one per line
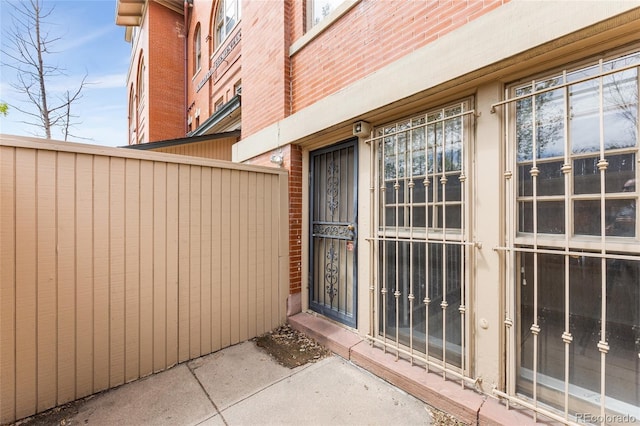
(334, 230)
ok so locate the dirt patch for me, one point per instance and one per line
(439, 418)
(291, 348)
(56, 416)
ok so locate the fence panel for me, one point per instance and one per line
(115, 264)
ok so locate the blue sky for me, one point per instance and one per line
(90, 43)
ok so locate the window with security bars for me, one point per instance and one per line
(574, 141)
(421, 194)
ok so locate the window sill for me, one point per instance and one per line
(321, 26)
(195, 74)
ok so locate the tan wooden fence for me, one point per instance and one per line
(115, 264)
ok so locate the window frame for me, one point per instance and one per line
(571, 247)
(220, 22)
(580, 241)
(197, 49)
(454, 359)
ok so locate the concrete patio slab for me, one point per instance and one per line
(242, 385)
(168, 398)
(330, 392)
(237, 372)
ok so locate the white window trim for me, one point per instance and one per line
(321, 26)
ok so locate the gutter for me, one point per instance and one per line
(223, 112)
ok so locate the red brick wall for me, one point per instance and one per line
(165, 68)
(265, 63)
(373, 34)
(295, 219)
(293, 163)
(220, 83)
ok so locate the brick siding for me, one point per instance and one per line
(370, 36)
(265, 60)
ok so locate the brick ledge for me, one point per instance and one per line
(466, 405)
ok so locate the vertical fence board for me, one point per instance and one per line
(173, 226)
(46, 270)
(205, 268)
(225, 248)
(243, 259)
(117, 271)
(260, 253)
(268, 261)
(146, 268)
(216, 258)
(25, 315)
(101, 240)
(84, 275)
(183, 262)
(132, 270)
(250, 254)
(281, 247)
(159, 214)
(66, 278)
(235, 256)
(275, 272)
(7, 285)
(194, 262)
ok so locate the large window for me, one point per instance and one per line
(575, 235)
(422, 190)
(226, 17)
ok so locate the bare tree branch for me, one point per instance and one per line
(29, 45)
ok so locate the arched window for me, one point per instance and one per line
(197, 50)
(226, 17)
(140, 83)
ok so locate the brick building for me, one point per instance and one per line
(462, 173)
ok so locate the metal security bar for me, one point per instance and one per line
(419, 239)
(552, 315)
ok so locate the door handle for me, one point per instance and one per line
(351, 227)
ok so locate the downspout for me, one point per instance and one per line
(188, 4)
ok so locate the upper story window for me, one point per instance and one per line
(218, 104)
(197, 50)
(226, 17)
(317, 10)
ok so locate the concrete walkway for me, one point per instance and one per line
(242, 385)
